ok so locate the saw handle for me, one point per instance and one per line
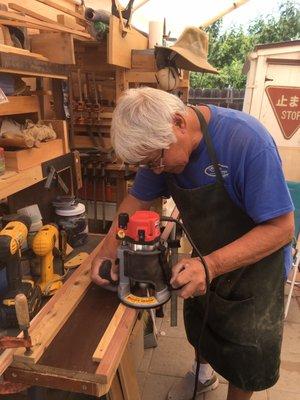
(104, 272)
(22, 312)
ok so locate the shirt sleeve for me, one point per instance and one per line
(263, 188)
(148, 185)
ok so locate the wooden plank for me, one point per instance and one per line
(42, 9)
(16, 50)
(61, 8)
(112, 357)
(84, 142)
(54, 380)
(7, 356)
(140, 77)
(30, 13)
(110, 331)
(128, 377)
(28, 66)
(143, 60)
(119, 48)
(20, 20)
(21, 160)
(20, 105)
(12, 182)
(69, 22)
(56, 46)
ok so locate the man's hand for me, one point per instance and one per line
(96, 264)
(189, 276)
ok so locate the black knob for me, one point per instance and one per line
(123, 220)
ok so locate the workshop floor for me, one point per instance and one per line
(164, 365)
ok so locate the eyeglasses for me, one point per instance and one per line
(156, 164)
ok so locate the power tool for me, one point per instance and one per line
(144, 272)
(12, 237)
(42, 245)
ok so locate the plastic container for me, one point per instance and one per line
(32, 211)
(74, 221)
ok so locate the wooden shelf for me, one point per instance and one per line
(12, 182)
(20, 105)
(29, 66)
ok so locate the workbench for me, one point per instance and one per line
(64, 358)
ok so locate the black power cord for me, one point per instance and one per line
(206, 307)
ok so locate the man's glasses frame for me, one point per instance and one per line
(157, 164)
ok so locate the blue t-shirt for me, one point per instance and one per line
(249, 163)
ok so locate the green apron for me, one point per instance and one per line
(243, 335)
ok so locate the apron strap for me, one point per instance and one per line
(208, 142)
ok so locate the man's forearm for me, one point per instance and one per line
(260, 242)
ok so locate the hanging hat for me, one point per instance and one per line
(189, 52)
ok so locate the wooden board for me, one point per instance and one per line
(143, 60)
(56, 46)
(28, 66)
(61, 8)
(119, 48)
(20, 105)
(84, 142)
(15, 50)
(112, 357)
(69, 22)
(15, 19)
(108, 334)
(12, 182)
(29, 12)
(43, 9)
(21, 160)
(140, 76)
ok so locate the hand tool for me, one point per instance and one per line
(142, 258)
(80, 103)
(103, 195)
(96, 105)
(12, 236)
(95, 178)
(22, 313)
(42, 245)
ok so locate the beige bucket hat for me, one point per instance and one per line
(191, 50)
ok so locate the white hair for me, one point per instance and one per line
(142, 122)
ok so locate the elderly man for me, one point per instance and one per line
(223, 171)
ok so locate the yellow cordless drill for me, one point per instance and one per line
(42, 245)
(12, 236)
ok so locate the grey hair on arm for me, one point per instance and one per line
(142, 122)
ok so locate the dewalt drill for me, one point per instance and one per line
(12, 236)
(42, 245)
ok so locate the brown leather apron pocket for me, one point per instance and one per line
(233, 320)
